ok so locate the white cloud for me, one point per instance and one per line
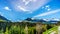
(28, 6)
(34, 0)
(7, 8)
(48, 9)
(28, 1)
(22, 8)
(47, 13)
(43, 7)
(1, 14)
(47, 6)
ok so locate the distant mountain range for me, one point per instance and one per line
(43, 20)
(35, 20)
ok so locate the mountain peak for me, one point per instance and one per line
(3, 18)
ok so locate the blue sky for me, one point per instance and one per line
(16, 10)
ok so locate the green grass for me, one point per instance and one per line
(51, 30)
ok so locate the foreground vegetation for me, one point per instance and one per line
(26, 27)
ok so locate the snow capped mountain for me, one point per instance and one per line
(44, 20)
(55, 19)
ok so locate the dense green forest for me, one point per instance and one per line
(25, 27)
